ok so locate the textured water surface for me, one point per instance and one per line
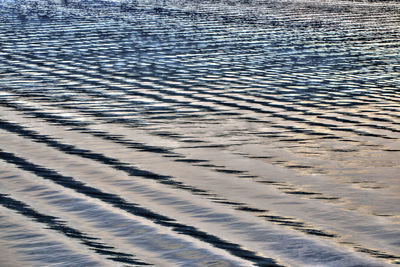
(199, 133)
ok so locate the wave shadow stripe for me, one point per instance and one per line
(60, 226)
(114, 163)
(136, 210)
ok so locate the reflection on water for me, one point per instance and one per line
(217, 133)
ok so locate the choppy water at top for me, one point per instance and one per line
(199, 133)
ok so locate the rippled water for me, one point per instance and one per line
(199, 133)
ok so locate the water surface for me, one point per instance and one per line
(199, 133)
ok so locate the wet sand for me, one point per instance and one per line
(199, 133)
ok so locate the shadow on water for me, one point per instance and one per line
(57, 225)
(118, 202)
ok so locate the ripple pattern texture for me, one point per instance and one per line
(199, 133)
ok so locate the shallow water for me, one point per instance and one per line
(199, 133)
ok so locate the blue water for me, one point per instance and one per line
(199, 133)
